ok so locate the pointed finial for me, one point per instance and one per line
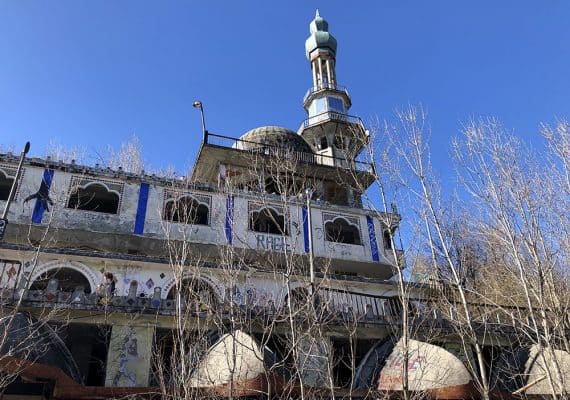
(317, 14)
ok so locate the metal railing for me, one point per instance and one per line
(328, 86)
(332, 116)
(285, 152)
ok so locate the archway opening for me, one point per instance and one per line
(67, 280)
(195, 294)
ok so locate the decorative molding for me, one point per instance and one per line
(83, 182)
(88, 272)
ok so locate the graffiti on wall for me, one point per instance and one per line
(129, 356)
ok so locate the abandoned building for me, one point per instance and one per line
(260, 275)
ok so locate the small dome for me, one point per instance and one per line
(277, 136)
(320, 37)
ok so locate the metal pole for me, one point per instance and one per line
(16, 178)
(198, 104)
(309, 195)
(4, 219)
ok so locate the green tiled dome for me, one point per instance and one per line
(320, 36)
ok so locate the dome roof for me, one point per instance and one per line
(277, 136)
(320, 37)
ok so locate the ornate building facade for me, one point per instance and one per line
(260, 275)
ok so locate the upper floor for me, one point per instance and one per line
(100, 209)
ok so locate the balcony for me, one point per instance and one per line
(328, 86)
(332, 116)
(284, 152)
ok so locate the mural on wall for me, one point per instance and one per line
(429, 367)
(129, 356)
(252, 297)
(129, 273)
(9, 271)
(43, 201)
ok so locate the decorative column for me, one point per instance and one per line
(129, 358)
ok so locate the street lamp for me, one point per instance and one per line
(198, 104)
(4, 219)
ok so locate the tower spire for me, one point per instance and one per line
(329, 128)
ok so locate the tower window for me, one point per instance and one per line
(387, 240)
(186, 210)
(267, 220)
(336, 104)
(341, 231)
(324, 143)
(94, 197)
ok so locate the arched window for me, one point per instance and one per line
(324, 143)
(267, 220)
(94, 197)
(67, 280)
(341, 231)
(5, 185)
(186, 210)
(195, 292)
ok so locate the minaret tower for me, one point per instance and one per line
(329, 129)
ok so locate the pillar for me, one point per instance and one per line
(129, 358)
(314, 68)
(315, 360)
(329, 75)
(318, 60)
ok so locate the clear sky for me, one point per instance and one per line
(92, 73)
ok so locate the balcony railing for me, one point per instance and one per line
(332, 116)
(333, 306)
(285, 152)
(328, 86)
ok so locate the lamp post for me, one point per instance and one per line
(4, 219)
(198, 104)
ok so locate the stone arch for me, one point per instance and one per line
(86, 271)
(205, 280)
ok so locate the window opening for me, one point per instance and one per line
(324, 143)
(387, 240)
(67, 280)
(341, 231)
(94, 197)
(5, 186)
(186, 210)
(268, 220)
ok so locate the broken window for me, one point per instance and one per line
(186, 210)
(267, 220)
(94, 197)
(341, 231)
(67, 280)
(5, 185)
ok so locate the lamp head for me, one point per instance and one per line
(197, 104)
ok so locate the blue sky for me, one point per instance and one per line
(92, 73)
